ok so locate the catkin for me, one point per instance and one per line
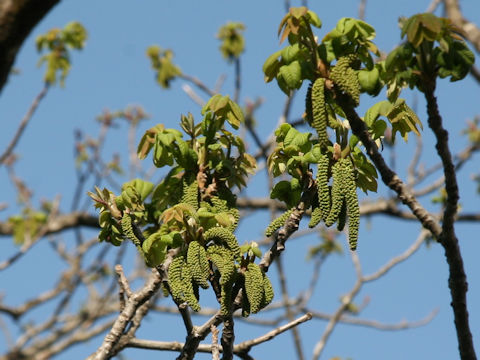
(323, 189)
(337, 193)
(319, 111)
(190, 194)
(278, 223)
(127, 229)
(180, 282)
(225, 236)
(254, 286)
(267, 292)
(315, 217)
(351, 200)
(346, 78)
(198, 263)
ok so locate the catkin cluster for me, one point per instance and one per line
(345, 77)
(182, 284)
(345, 200)
(223, 259)
(190, 194)
(258, 291)
(338, 202)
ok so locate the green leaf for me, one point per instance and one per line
(313, 19)
(287, 191)
(155, 248)
(290, 53)
(289, 76)
(369, 81)
(381, 108)
(271, 66)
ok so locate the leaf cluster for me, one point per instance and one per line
(162, 62)
(58, 43)
(432, 48)
(233, 42)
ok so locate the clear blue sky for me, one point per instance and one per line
(113, 72)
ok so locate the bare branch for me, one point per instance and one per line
(469, 30)
(133, 304)
(198, 83)
(23, 123)
(402, 325)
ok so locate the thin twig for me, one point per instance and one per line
(23, 124)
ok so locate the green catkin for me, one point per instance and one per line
(319, 111)
(223, 259)
(175, 279)
(342, 217)
(225, 236)
(198, 263)
(337, 193)
(267, 292)
(315, 217)
(322, 185)
(127, 229)
(278, 223)
(245, 305)
(346, 78)
(190, 194)
(254, 286)
(188, 289)
(351, 200)
(220, 205)
(180, 282)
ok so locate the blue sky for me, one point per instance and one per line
(113, 72)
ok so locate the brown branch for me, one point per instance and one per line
(239, 349)
(247, 345)
(469, 30)
(215, 346)
(107, 349)
(17, 19)
(457, 281)
(23, 124)
(198, 83)
(402, 325)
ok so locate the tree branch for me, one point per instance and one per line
(457, 281)
(17, 19)
(23, 124)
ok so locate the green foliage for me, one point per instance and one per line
(350, 36)
(432, 49)
(224, 109)
(27, 225)
(399, 114)
(162, 63)
(287, 191)
(58, 43)
(233, 43)
(288, 156)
